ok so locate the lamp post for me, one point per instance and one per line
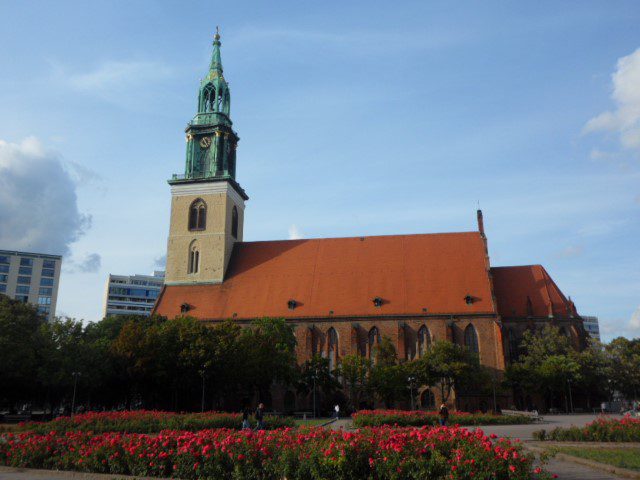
(203, 371)
(493, 384)
(412, 381)
(570, 395)
(314, 377)
(75, 376)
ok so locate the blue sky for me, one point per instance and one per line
(355, 118)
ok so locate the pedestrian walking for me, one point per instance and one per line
(260, 417)
(444, 415)
(245, 418)
(337, 410)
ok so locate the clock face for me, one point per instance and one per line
(205, 142)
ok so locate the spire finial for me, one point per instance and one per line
(216, 62)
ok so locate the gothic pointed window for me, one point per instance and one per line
(424, 340)
(234, 222)
(373, 342)
(198, 215)
(513, 346)
(333, 348)
(194, 258)
(208, 99)
(471, 338)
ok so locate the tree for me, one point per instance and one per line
(354, 370)
(19, 338)
(449, 367)
(268, 347)
(389, 380)
(548, 364)
(624, 355)
(316, 371)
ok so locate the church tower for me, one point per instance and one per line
(207, 204)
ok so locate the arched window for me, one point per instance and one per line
(333, 348)
(471, 338)
(424, 340)
(373, 342)
(427, 400)
(208, 98)
(194, 258)
(513, 346)
(198, 215)
(234, 222)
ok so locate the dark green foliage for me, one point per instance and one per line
(550, 366)
(133, 362)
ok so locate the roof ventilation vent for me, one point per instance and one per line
(377, 302)
(469, 300)
(292, 304)
(185, 307)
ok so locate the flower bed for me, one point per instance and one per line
(147, 421)
(315, 453)
(417, 418)
(603, 429)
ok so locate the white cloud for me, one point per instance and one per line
(91, 263)
(571, 251)
(625, 119)
(124, 83)
(160, 261)
(634, 322)
(295, 233)
(38, 201)
(116, 75)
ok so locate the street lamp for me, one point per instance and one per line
(75, 376)
(314, 377)
(412, 381)
(202, 372)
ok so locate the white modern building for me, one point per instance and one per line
(592, 326)
(132, 294)
(31, 278)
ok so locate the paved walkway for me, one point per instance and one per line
(573, 471)
(525, 432)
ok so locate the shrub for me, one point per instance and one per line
(602, 429)
(147, 421)
(307, 454)
(417, 418)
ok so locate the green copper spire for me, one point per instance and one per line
(216, 61)
(211, 141)
(214, 96)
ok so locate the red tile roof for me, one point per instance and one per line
(514, 285)
(408, 272)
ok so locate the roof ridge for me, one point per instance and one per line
(362, 236)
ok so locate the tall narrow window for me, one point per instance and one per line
(234, 222)
(198, 215)
(471, 338)
(374, 341)
(333, 348)
(513, 346)
(424, 340)
(194, 259)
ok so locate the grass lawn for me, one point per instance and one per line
(618, 457)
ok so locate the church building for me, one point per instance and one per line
(343, 295)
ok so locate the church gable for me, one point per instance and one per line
(529, 291)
